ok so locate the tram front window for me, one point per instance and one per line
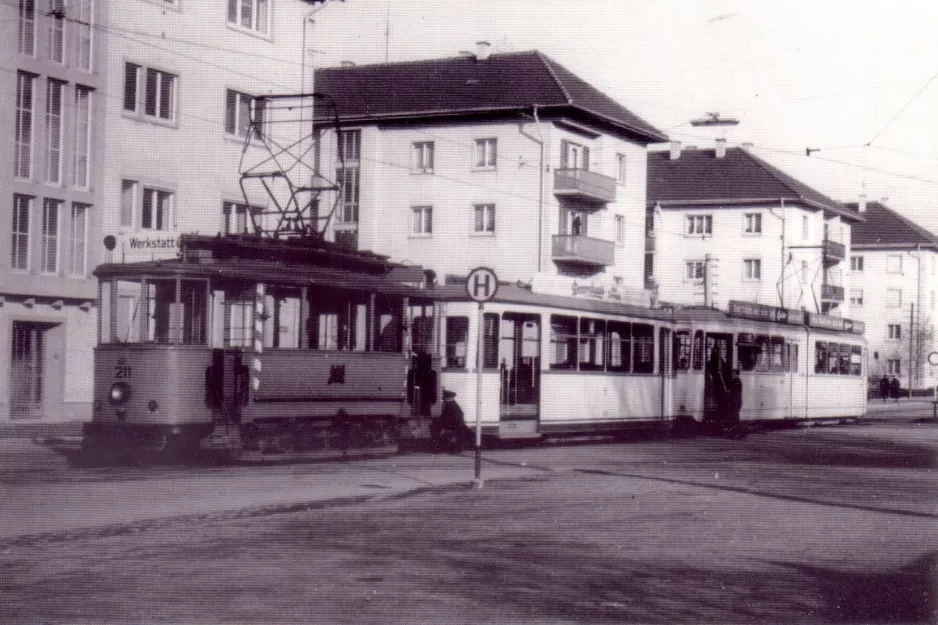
(166, 311)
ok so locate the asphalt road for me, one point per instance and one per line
(813, 525)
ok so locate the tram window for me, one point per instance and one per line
(457, 335)
(820, 357)
(843, 360)
(793, 357)
(620, 346)
(698, 350)
(490, 341)
(777, 355)
(422, 329)
(644, 336)
(563, 340)
(856, 360)
(591, 352)
(387, 325)
(239, 326)
(682, 351)
(748, 351)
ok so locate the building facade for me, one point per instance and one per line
(893, 283)
(129, 124)
(456, 163)
(725, 225)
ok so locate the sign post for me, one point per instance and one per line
(481, 285)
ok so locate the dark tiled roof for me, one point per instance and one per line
(885, 227)
(463, 85)
(698, 176)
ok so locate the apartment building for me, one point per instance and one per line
(893, 281)
(128, 123)
(723, 224)
(502, 160)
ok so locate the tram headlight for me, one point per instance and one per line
(119, 394)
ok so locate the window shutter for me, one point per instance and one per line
(586, 158)
(564, 148)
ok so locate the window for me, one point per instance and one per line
(486, 153)
(84, 34)
(894, 366)
(592, 350)
(856, 297)
(893, 263)
(620, 229)
(490, 340)
(26, 42)
(249, 14)
(423, 220)
(620, 168)
(695, 270)
(154, 211)
(54, 89)
(483, 218)
(237, 217)
(804, 227)
(700, 224)
(752, 223)
(682, 351)
(348, 174)
(49, 243)
(159, 92)
(56, 32)
(240, 110)
(894, 331)
(856, 263)
(81, 174)
(457, 333)
(22, 208)
(893, 298)
(752, 269)
(128, 203)
(77, 239)
(423, 157)
(574, 156)
(23, 138)
(563, 342)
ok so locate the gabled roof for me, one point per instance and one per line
(459, 86)
(886, 228)
(740, 177)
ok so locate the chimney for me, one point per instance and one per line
(466, 54)
(482, 50)
(861, 203)
(721, 148)
(747, 146)
(675, 150)
(346, 63)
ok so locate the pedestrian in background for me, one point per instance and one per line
(894, 388)
(884, 387)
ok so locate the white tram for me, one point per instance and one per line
(555, 365)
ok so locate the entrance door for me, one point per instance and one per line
(26, 371)
(520, 367)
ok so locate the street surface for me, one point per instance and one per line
(832, 524)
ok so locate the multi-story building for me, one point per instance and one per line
(52, 85)
(893, 281)
(505, 160)
(127, 122)
(723, 224)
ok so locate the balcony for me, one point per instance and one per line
(584, 185)
(832, 293)
(833, 252)
(575, 248)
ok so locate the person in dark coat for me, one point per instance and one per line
(717, 378)
(894, 388)
(449, 431)
(734, 405)
(884, 387)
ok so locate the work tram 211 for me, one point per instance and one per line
(277, 345)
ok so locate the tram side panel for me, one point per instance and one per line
(584, 402)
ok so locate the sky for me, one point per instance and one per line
(856, 81)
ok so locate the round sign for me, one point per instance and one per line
(933, 359)
(482, 284)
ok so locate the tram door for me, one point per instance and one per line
(719, 367)
(520, 366)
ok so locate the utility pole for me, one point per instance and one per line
(911, 343)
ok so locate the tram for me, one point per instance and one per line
(245, 342)
(556, 365)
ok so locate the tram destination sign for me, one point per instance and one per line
(838, 324)
(763, 312)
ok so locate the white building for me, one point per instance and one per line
(725, 225)
(893, 282)
(127, 120)
(504, 160)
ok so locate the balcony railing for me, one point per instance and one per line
(833, 251)
(832, 293)
(575, 248)
(585, 185)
